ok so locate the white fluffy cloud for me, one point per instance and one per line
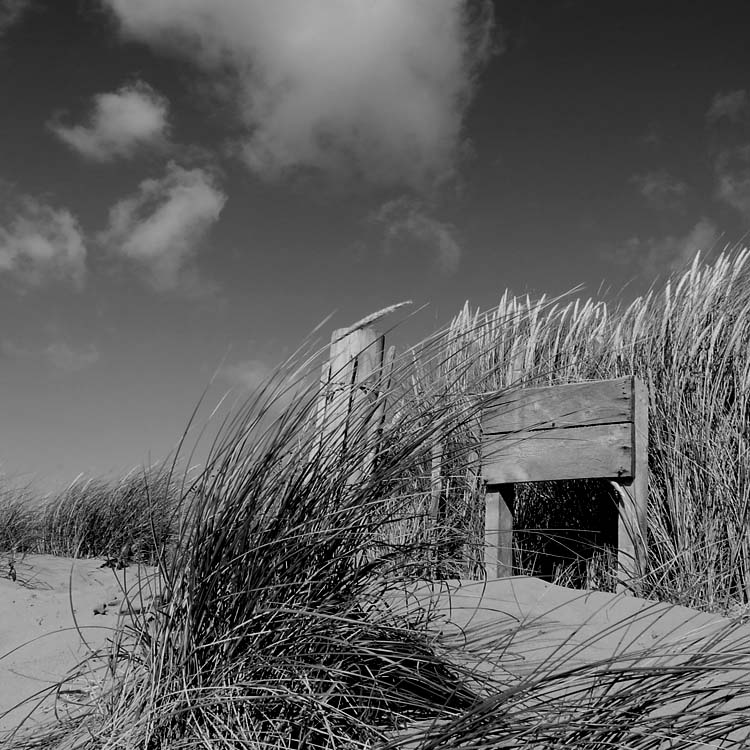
(733, 106)
(63, 357)
(653, 256)
(10, 12)
(39, 244)
(733, 179)
(661, 190)
(59, 354)
(249, 374)
(408, 223)
(376, 89)
(162, 225)
(119, 124)
(729, 119)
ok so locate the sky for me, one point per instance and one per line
(188, 187)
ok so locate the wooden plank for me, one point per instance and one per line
(471, 553)
(640, 455)
(377, 423)
(600, 451)
(498, 533)
(627, 538)
(559, 406)
(355, 356)
(632, 531)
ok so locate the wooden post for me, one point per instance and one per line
(355, 370)
(471, 554)
(354, 384)
(632, 527)
(436, 490)
(498, 530)
(354, 355)
(501, 498)
(379, 385)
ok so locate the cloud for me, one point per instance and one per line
(249, 374)
(652, 137)
(62, 357)
(733, 179)
(58, 354)
(729, 121)
(654, 256)
(160, 228)
(11, 12)
(661, 190)
(40, 244)
(120, 123)
(733, 106)
(408, 222)
(376, 90)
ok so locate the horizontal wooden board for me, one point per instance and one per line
(598, 451)
(552, 407)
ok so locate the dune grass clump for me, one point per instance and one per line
(690, 342)
(99, 518)
(18, 521)
(273, 629)
(275, 625)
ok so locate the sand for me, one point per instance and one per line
(56, 612)
(56, 603)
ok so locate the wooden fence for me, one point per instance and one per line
(595, 429)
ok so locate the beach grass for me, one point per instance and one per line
(276, 560)
(689, 341)
(93, 517)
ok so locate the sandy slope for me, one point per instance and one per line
(529, 624)
(45, 616)
(39, 643)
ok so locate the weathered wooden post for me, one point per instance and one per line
(633, 505)
(587, 430)
(500, 498)
(354, 384)
(498, 529)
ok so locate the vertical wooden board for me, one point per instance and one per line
(472, 487)
(640, 455)
(346, 348)
(633, 506)
(498, 535)
(492, 500)
(366, 388)
(628, 537)
(379, 414)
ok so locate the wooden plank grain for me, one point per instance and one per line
(552, 407)
(599, 451)
(633, 505)
(640, 453)
(498, 533)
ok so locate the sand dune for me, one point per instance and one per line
(59, 609)
(56, 612)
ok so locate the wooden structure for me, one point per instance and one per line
(354, 382)
(588, 430)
